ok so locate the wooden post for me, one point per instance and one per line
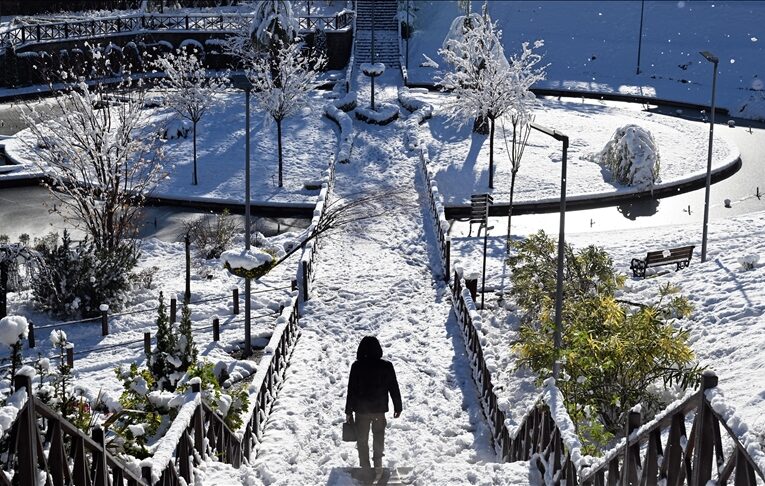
(187, 292)
(147, 344)
(235, 298)
(100, 476)
(173, 309)
(216, 329)
(198, 420)
(305, 280)
(704, 440)
(26, 433)
(447, 263)
(31, 335)
(3, 288)
(104, 319)
(472, 286)
(70, 355)
(294, 284)
(631, 461)
(146, 473)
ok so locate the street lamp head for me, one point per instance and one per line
(709, 57)
(240, 81)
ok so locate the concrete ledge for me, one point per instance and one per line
(590, 201)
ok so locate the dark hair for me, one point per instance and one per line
(369, 348)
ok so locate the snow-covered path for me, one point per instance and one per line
(374, 277)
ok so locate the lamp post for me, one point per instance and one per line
(561, 242)
(408, 35)
(714, 60)
(640, 37)
(243, 82)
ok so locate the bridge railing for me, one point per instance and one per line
(24, 35)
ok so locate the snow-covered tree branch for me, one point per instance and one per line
(189, 89)
(100, 157)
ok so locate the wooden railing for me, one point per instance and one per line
(685, 458)
(24, 35)
(43, 442)
(541, 439)
(437, 213)
(183, 446)
(463, 303)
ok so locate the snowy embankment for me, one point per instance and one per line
(593, 46)
(374, 277)
(308, 142)
(460, 158)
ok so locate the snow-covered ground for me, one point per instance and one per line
(460, 158)
(593, 46)
(309, 142)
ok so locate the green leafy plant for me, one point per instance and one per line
(139, 419)
(614, 353)
(229, 405)
(187, 350)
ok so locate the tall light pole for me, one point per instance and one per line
(640, 37)
(408, 35)
(714, 60)
(242, 82)
(561, 243)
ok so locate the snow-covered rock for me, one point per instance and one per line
(748, 262)
(175, 129)
(57, 338)
(632, 156)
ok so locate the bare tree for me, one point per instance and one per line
(523, 72)
(282, 81)
(479, 80)
(190, 89)
(100, 157)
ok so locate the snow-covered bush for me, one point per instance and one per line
(211, 235)
(175, 130)
(76, 279)
(273, 20)
(748, 262)
(229, 405)
(12, 330)
(631, 156)
(252, 263)
(163, 362)
(383, 113)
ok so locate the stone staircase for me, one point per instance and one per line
(383, 12)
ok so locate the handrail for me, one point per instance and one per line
(151, 22)
(28, 451)
(685, 458)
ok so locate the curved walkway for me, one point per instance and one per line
(375, 277)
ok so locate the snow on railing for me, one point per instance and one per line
(737, 429)
(165, 451)
(436, 206)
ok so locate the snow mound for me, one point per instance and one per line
(632, 157)
(175, 129)
(13, 328)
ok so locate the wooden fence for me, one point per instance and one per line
(25, 35)
(182, 448)
(693, 459)
(437, 213)
(41, 440)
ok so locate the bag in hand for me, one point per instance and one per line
(349, 432)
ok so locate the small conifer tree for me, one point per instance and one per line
(162, 364)
(187, 350)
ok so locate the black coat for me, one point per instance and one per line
(369, 384)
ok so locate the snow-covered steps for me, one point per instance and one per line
(386, 48)
(382, 11)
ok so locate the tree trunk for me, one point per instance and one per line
(195, 154)
(279, 138)
(510, 212)
(3, 288)
(481, 125)
(491, 155)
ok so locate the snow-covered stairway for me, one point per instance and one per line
(383, 13)
(375, 277)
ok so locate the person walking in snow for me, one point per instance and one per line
(371, 380)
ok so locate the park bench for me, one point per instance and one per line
(679, 256)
